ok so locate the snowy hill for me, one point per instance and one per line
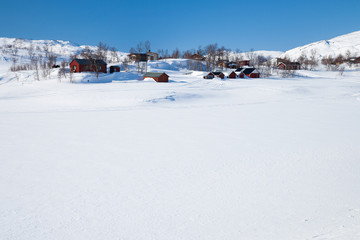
(332, 47)
(16, 48)
(64, 48)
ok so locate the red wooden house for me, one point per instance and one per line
(232, 75)
(209, 76)
(241, 75)
(219, 75)
(354, 60)
(251, 72)
(114, 69)
(85, 65)
(286, 64)
(289, 66)
(157, 76)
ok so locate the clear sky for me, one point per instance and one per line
(262, 24)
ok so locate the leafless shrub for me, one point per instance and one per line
(287, 73)
(147, 46)
(71, 76)
(125, 64)
(313, 62)
(341, 70)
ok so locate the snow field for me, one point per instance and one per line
(190, 159)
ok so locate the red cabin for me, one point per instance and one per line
(85, 65)
(209, 76)
(244, 63)
(232, 75)
(241, 75)
(289, 66)
(219, 74)
(114, 69)
(157, 76)
(251, 73)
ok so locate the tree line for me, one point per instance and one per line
(42, 59)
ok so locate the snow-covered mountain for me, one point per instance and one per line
(332, 47)
(18, 48)
(59, 47)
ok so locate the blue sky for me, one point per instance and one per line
(261, 25)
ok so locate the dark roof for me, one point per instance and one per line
(239, 69)
(154, 74)
(248, 70)
(216, 73)
(137, 54)
(290, 63)
(196, 55)
(88, 62)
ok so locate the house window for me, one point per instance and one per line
(74, 68)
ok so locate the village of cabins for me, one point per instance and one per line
(240, 69)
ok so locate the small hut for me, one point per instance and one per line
(114, 69)
(85, 65)
(251, 72)
(157, 76)
(219, 75)
(241, 75)
(232, 75)
(209, 76)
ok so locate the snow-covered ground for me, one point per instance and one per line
(254, 159)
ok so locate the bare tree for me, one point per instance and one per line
(86, 53)
(285, 73)
(176, 53)
(313, 60)
(140, 47)
(302, 60)
(348, 57)
(30, 51)
(132, 50)
(339, 59)
(147, 46)
(35, 65)
(341, 70)
(114, 55)
(348, 54)
(14, 61)
(62, 71)
(251, 56)
(101, 52)
(210, 51)
(125, 63)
